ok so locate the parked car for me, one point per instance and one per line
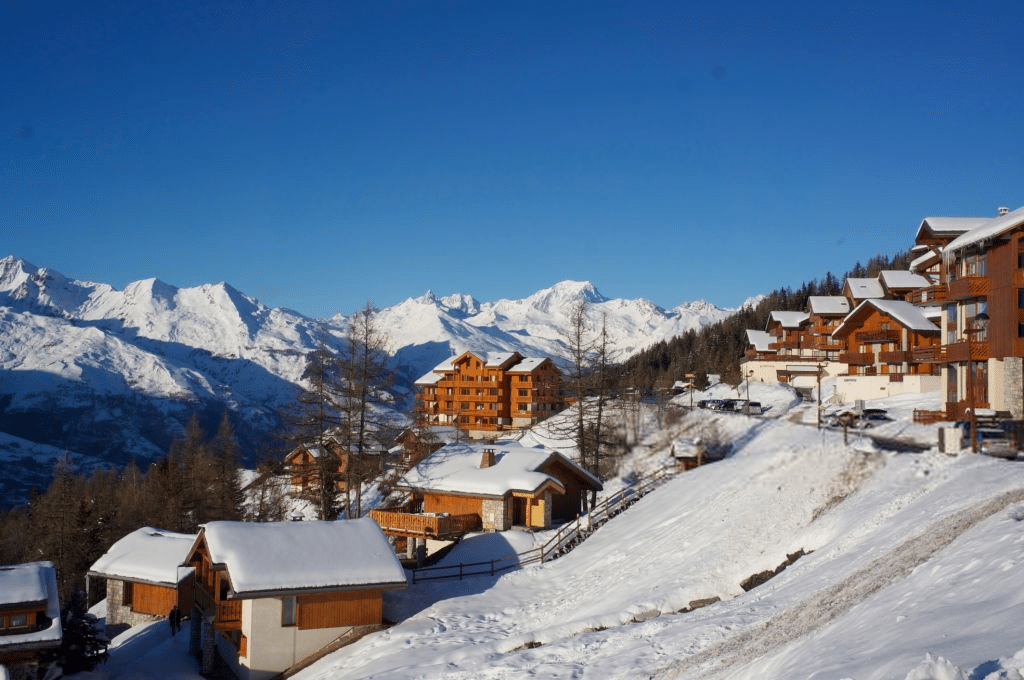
(868, 420)
(992, 441)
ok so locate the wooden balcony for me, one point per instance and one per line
(968, 287)
(857, 358)
(449, 527)
(897, 357)
(944, 354)
(785, 344)
(883, 335)
(929, 296)
(827, 344)
(229, 614)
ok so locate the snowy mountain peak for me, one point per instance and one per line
(563, 295)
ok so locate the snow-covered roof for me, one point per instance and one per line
(760, 340)
(33, 584)
(903, 280)
(995, 227)
(496, 359)
(862, 289)
(146, 554)
(431, 378)
(928, 258)
(455, 468)
(527, 364)
(789, 319)
(281, 557)
(904, 313)
(950, 226)
(828, 304)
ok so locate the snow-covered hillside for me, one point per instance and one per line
(900, 566)
(114, 374)
(891, 558)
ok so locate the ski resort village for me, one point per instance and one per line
(201, 486)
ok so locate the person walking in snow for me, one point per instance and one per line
(174, 618)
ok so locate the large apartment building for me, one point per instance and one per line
(981, 289)
(489, 393)
(954, 322)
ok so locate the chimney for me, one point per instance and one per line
(487, 460)
(1003, 210)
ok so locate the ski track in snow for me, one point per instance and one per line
(817, 611)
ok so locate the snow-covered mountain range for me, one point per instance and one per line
(113, 374)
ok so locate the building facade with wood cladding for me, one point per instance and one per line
(490, 393)
(982, 291)
(270, 596)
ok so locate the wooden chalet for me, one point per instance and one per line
(144, 577)
(271, 595)
(30, 627)
(490, 393)
(882, 336)
(303, 463)
(469, 486)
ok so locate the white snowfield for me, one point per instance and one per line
(913, 570)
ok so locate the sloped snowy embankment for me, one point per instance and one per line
(910, 554)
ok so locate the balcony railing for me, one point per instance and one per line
(968, 287)
(883, 335)
(857, 358)
(942, 354)
(897, 357)
(827, 344)
(428, 525)
(929, 295)
(229, 612)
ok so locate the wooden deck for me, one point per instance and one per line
(443, 527)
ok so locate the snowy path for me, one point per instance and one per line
(815, 612)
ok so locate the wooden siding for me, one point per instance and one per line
(453, 505)
(331, 610)
(151, 599)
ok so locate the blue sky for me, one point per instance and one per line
(316, 155)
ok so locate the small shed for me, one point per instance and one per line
(144, 576)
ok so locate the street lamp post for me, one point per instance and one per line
(689, 376)
(977, 325)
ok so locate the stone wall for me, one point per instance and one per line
(493, 516)
(121, 615)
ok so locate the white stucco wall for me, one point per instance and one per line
(271, 646)
(850, 388)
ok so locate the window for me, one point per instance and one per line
(126, 593)
(1020, 298)
(1020, 330)
(19, 620)
(524, 393)
(288, 611)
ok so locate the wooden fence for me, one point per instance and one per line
(565, 539)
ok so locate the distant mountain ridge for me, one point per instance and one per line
(114, 374)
